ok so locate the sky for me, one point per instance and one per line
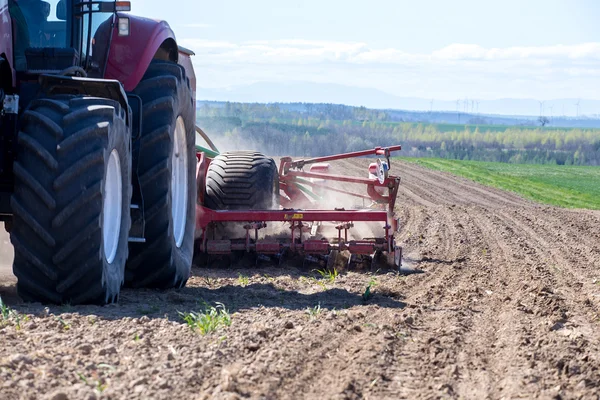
(445, 49)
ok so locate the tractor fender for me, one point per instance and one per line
(130, 56)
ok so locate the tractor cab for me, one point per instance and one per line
(51, 36)
(61, 37)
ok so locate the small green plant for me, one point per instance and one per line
(314, 312)
(4, 310)
(209, 320)
(82, 377)
(136, 338)
(17, 318)
(101, 387)
(368, 293)
(304, 280)
(8, 314)
(320, 283)
(269, 277)
(65, 325)
(209, 281)
(243, 280)
(326, 274)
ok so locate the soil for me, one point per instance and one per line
(508, 307)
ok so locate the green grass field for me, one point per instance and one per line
(563, 186)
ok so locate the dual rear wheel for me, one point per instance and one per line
(73, 191)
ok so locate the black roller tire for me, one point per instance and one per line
(64, 147)
(161, 262)
(242, 180)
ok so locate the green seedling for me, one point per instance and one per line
(101, 387)
(326, 274)
(209, 320)
(314, 312)
(66, 326)
(209, 281)
(368, 293)
(4, 310)
(8, 313)
(17, 318)
(82, 377)
(243, 280)
(321, 283)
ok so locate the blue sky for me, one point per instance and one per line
(430, 49)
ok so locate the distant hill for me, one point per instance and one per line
(344, 111)
(310, 92)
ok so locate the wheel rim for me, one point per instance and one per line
(112, 208)
(179, 182)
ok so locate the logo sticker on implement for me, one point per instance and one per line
(294, 216)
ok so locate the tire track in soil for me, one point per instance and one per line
(564, 272)
(429, 300)
(445, 346)
(556, 302)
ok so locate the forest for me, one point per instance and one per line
(321, 129)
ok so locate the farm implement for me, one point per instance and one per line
(245, 195)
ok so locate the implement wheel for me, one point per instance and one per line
(242, 180)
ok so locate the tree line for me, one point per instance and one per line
(274, 131)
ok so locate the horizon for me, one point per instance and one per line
(430, 50)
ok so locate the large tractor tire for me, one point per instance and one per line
(71, 201)
(167, 175)
(242, 180)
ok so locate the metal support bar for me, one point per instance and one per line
(382, 151)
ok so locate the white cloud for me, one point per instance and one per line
(457, 69)
(283, 51)
(197, 25)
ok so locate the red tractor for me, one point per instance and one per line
(102, 183)
(97, 152)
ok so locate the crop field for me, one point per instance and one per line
(508, 307)
(563, 186)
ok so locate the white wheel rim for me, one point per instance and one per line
(179, 182)
(111, 210)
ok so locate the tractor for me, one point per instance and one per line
(97, 153)
(104, 180)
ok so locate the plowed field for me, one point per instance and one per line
(508, 307)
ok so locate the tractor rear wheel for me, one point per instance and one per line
(242, 180)
(71, 200)
(167, 175)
